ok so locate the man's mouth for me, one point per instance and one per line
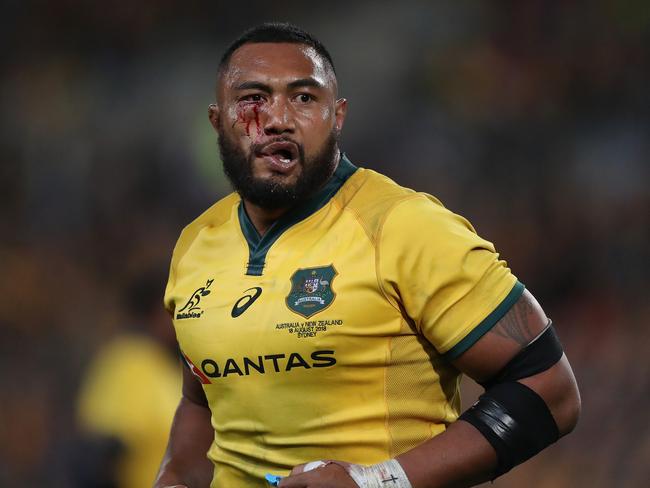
(283, 154)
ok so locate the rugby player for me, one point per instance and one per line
(325, 313)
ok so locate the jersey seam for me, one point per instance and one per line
(186, 251)
(389, 436)
(356, 216)
(175, 264)
(377, 246)
(344, 205)
(374, 242)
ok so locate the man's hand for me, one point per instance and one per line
(331, 475)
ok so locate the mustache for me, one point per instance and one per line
(256, 148)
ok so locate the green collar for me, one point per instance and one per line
(258, 246)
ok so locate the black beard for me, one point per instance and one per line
(271, 193)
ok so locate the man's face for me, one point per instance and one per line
(278, 122)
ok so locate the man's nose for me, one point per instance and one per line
(279, 118)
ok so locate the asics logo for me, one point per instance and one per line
(246, 301)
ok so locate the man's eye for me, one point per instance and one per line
(305, 98)
(254, 97)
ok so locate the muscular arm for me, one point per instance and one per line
(185, 462)
(461, 456)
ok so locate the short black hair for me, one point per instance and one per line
(275, 32)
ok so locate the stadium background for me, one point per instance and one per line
(531, 118)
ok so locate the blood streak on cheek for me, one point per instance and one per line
(247, 113)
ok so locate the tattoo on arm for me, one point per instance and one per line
(519, 324)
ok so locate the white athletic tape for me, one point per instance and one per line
(388, 474)
(312, 465)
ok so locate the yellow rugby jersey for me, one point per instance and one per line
(329, 337)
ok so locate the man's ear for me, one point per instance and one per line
(339, 112)
(213, 115)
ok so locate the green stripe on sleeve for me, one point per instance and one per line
(490, 321)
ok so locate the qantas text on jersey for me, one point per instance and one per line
(268, 363)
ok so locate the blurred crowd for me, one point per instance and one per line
(531, 118)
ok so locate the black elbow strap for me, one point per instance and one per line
(538, 356)
(516, 422)
(513, 418)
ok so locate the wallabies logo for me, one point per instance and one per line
(191, 309)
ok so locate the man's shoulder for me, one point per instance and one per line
(373, 197)
(215, 216)
(368, 192)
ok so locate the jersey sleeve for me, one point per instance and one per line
(448, 280)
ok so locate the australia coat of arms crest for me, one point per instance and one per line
(311, 290)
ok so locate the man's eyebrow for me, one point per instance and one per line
(253, 85)
(299, 83)
(302, 82)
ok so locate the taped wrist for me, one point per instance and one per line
(515, 421)
(388, 473)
